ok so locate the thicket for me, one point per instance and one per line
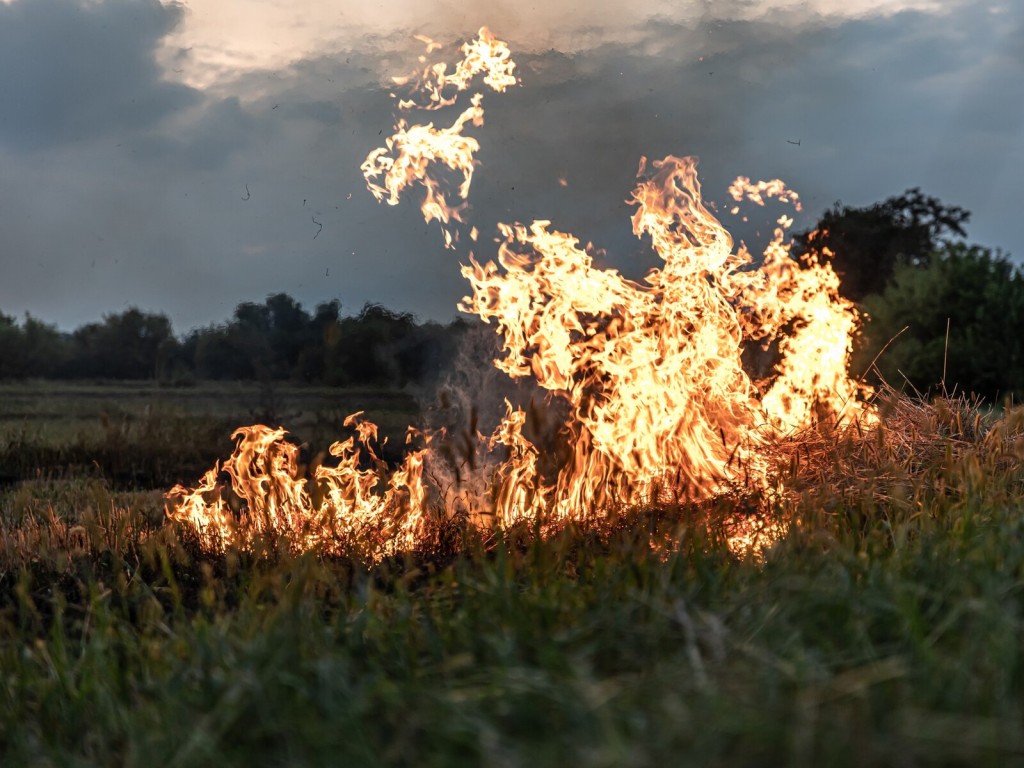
(939, 313)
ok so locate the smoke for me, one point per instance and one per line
(469, 403)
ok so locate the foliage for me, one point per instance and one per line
(903, 262)
(32, 347)
(868, 243)
(978, 296)
(276, 340)
(128, 345)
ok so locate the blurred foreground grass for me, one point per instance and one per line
(886, 628)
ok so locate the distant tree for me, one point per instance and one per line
(172, 366)
(249, 333)
(47, 350)
(290, 333)
(366, 349)
(269, 337)
(270, 341)
(216, 354)
(868, 243)
(980, 293)
(12, 348)
(123, 346)
(322, 334)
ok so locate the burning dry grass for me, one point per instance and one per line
(914, 456)
(918, 456)
(883, 626)
(916, 450)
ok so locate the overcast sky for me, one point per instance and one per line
(173, 156)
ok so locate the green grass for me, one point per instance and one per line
(887, 628)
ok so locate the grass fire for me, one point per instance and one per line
(755, 506)
(659, 404)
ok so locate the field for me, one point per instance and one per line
(152, 437)
(886, 627)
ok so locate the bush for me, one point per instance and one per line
(975, 292)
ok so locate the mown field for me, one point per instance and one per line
(886, 627)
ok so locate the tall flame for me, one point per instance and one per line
(659, 402)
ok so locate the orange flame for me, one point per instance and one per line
(660, 404)
(486, 55)
(351, 506)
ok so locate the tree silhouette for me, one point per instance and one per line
(865, 245)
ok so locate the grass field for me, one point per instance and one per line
(148, 436)
(886, 628)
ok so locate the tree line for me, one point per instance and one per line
(937, 312)
(275, 340)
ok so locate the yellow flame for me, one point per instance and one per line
(406, 158)
(351, 505)
(485, 56)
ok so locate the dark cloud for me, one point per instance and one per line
(71, 70)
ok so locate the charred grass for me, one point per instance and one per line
(885, 628)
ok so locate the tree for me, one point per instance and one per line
(217, 355)
(290, 333)
(124, 346)
(12, 349)
(980, 294)
(866, 244)
(366, 349)
(47, 350)
(323, 334)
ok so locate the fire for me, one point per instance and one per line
(406, 159)
(351, 505)
(660, 405)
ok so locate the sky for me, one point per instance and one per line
(183, 157)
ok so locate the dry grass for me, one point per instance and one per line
(909, 453)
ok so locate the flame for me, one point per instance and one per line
(406, 158)
(654, 373)
(486, 55)
(660, 405)
(351, 506)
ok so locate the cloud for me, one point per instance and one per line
(234, 36)
(71, 70)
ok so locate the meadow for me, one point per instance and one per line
(885, 628)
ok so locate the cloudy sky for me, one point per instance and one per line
(174, 156)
